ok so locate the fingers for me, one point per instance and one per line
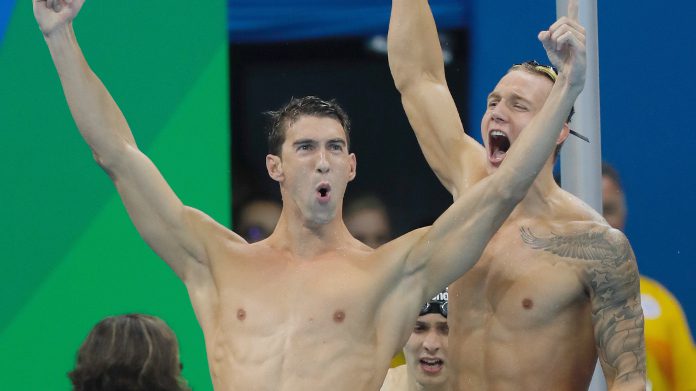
(55, 5)
(564, 20)
(545, 38)
(573, 9)
(569, 40)
(561, 27)
(563, 33)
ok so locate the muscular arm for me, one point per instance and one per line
(612, 279)
(617, 315)
(458, 237)
(415, 60)
(164, 222)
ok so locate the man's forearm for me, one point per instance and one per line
(537, 140)
(97, 116)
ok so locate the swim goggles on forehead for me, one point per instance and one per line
(552, 73)
(548, 70)
(434, 307)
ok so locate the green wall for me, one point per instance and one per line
(70, 254)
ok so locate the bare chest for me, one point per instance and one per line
(277, 318)
(517, 284)
(262, 294)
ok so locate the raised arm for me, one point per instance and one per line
(415, 60)
(169, 227)
(456, 240)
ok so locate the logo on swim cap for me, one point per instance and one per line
(442, 296)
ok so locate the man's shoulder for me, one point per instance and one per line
(571, 209)
(396, 379)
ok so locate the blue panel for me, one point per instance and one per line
(6, 7)
(284, 20)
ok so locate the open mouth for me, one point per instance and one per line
(324, 192)
(499, 144)
(431, 365)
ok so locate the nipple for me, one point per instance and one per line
(527, 304)
(339, 316)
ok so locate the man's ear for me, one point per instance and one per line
(275, 167)
(564, 134)
(353, 167)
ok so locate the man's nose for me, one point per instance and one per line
(322, 162)
(498, 114)
(431, 344)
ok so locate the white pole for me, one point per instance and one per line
(581, 162)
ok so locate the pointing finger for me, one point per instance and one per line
(573, 9)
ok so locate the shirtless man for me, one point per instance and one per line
(310, 307)
(556, 286)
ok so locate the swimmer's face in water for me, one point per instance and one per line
(314, 168)
(426, 350)
(513, 103)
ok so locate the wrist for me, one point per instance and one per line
(59, 33)
(572, 85)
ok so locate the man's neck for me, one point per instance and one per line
(537, 200)
(413, 385)
(306, 239)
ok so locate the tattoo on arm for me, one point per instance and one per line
(614, 281)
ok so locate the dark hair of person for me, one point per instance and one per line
(284, 117)
(131, 352)
(611, 173)
(365, 202)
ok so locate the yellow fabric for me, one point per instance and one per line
(397, 360)
(671, 355)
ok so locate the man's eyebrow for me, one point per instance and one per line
(516, 96)
(304, 141)
(337, 141)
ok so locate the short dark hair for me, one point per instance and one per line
(131, 352)
(610, 172)
(367, 201)
(550, 73)
(283, 118)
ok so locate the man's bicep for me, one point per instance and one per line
(456, 158)
(157, 213)
(617, 315)
(457, 238)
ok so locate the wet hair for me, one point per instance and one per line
(131, 352)
(283, 118)
(550, 73)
